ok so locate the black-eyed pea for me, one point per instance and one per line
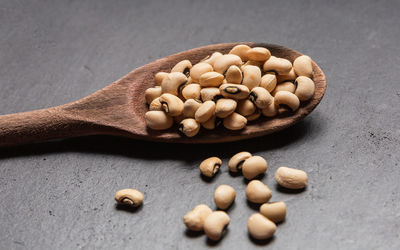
(303, 66)
(210, 123)
(268, 82)
(211, 79)
(254, 116)
(258, 54)
(245, 107)
(194, 219)
(236, 162)
(159, 77)
(234, 91)
(261, 97)
(235, 121)
(130, 197)
(171, 104)
(234, 75)
(210, 166)
(211, 59)
(205, 111)
(225, 107)
(189, 127)
(258, 192)
(241, 51)
(173, 83)
(287, 100)
(251, 76)
(183, 67)
(158, 120)
(274, 211)
(254, 166)
(260, 227)
(284, 86)
(222, 63)
(285, 78)
(305, 88)
(209, 94)
(191, 91)
(280, 66)
(291, 178)
(215, 224)
(224, 196)
(156, 105)
(190, 107)
(271, 110)
(152, 93)
(198, 69)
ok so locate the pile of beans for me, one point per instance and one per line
(229, 89)
(260, 225)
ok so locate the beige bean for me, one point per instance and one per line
(210, 123)
(211, 79)
(287, 78)
(260, 228)
(241, 51)
(211, 59)
(189, 127)
(173, 83)
(258, 54)
(254, 63)
(245, 107)
(287, 99)
(291, 178)
(303, 66)
(305, 88)
(225, 107)
(251, 76)
(224, 196)
(274, 211)
(268, 82)
(235, 121)
(194, 219)
(254, 116)
(183, 67)
(261, 97)
(210, 166)
(236, 162)
(209, 94)
(222, 63)
(285, 86)
(190, 107)
(191, 91)
(254, 166)
(234, 91)
(129, 196)
(156, 105)
(171, 104)
(158, 120)
(271, 110)
(258, 192)
(280, 66)
(205, 111)
(159, 77)
(215, 224)
(198, 69)
(234, 75)
(152, 93)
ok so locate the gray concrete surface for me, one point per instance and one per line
(59, 195)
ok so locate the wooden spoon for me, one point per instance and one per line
(119, 108)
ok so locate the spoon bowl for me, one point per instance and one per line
(119, 108)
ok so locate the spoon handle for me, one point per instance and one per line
(41, 125)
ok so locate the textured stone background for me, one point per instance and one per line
(59, 195)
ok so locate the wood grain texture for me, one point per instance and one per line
(119, 108)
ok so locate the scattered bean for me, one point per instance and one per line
(258, 192)
(236, 162)
(158, 120)
(274, 211)
(194, 219)
(129, 196)
(260, 228)
(215, 224)
(254, 166)
(210, 166)
(291, 178)
(224, 196)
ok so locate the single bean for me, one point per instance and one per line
(208, 94)
(234, 75)
(183, 67)
(287, 78)
(159, 77)
(261, 97)
(222, 63)
(189, 127)
(211, 59)
(158, 120)
(260, 228)
(280, 66)
(236, 162)
(225, 107)
(129, 196)
(190, 107)
(291, 178)
(245, 107)
(235, 121)
(234, 91)
(303, 66)
(156, 105)
(258, 54)
(205, 111)
(241, 51)
(287, 99)
(287, 86)
(254, 166)
(198, 69)
(271, 110)
(171, 104)
(268, 82)
(305, 88)
(274, 211)
(152, 93)
(224, 196)
(194, 219)
(191, 91)
(258, 192)
(211, 79)
(210, 166)
(215, 224)
(210, 123)
(251, 76)
(173, 83)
